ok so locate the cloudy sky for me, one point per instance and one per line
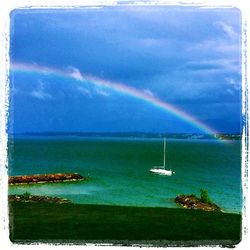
(187, 57)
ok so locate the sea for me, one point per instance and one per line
(118, 169)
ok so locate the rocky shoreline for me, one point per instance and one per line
(192, 202)
(44, 178)
(37, 198)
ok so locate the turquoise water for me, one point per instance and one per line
(119, 169)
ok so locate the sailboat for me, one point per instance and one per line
(162, 169)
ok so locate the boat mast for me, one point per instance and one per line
(164, 159)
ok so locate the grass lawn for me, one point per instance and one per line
(44, 222)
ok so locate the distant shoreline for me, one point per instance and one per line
(130, 135)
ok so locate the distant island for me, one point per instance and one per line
(134, 135)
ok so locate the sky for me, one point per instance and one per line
(68, 67)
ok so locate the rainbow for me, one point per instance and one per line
(76, 75)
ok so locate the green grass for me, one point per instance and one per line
(93, 223)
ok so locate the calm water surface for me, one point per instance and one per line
(119, 169)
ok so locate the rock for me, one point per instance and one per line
(37, 198)
(192, 202)
(43, 178)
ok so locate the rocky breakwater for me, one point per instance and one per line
(45, 178)
(26, 197)
(193, 202)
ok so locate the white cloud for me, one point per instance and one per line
(233, 82)
(215, 46)
(40, 92)
(213, 66)
(75, 73)
(227, 29)
(85, 91)
(148, 92)
(90, 91)
(102, 92)
(40, 95)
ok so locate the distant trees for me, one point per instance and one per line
(26, 195)
(204, 196)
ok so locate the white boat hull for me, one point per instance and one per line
(161, 171)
